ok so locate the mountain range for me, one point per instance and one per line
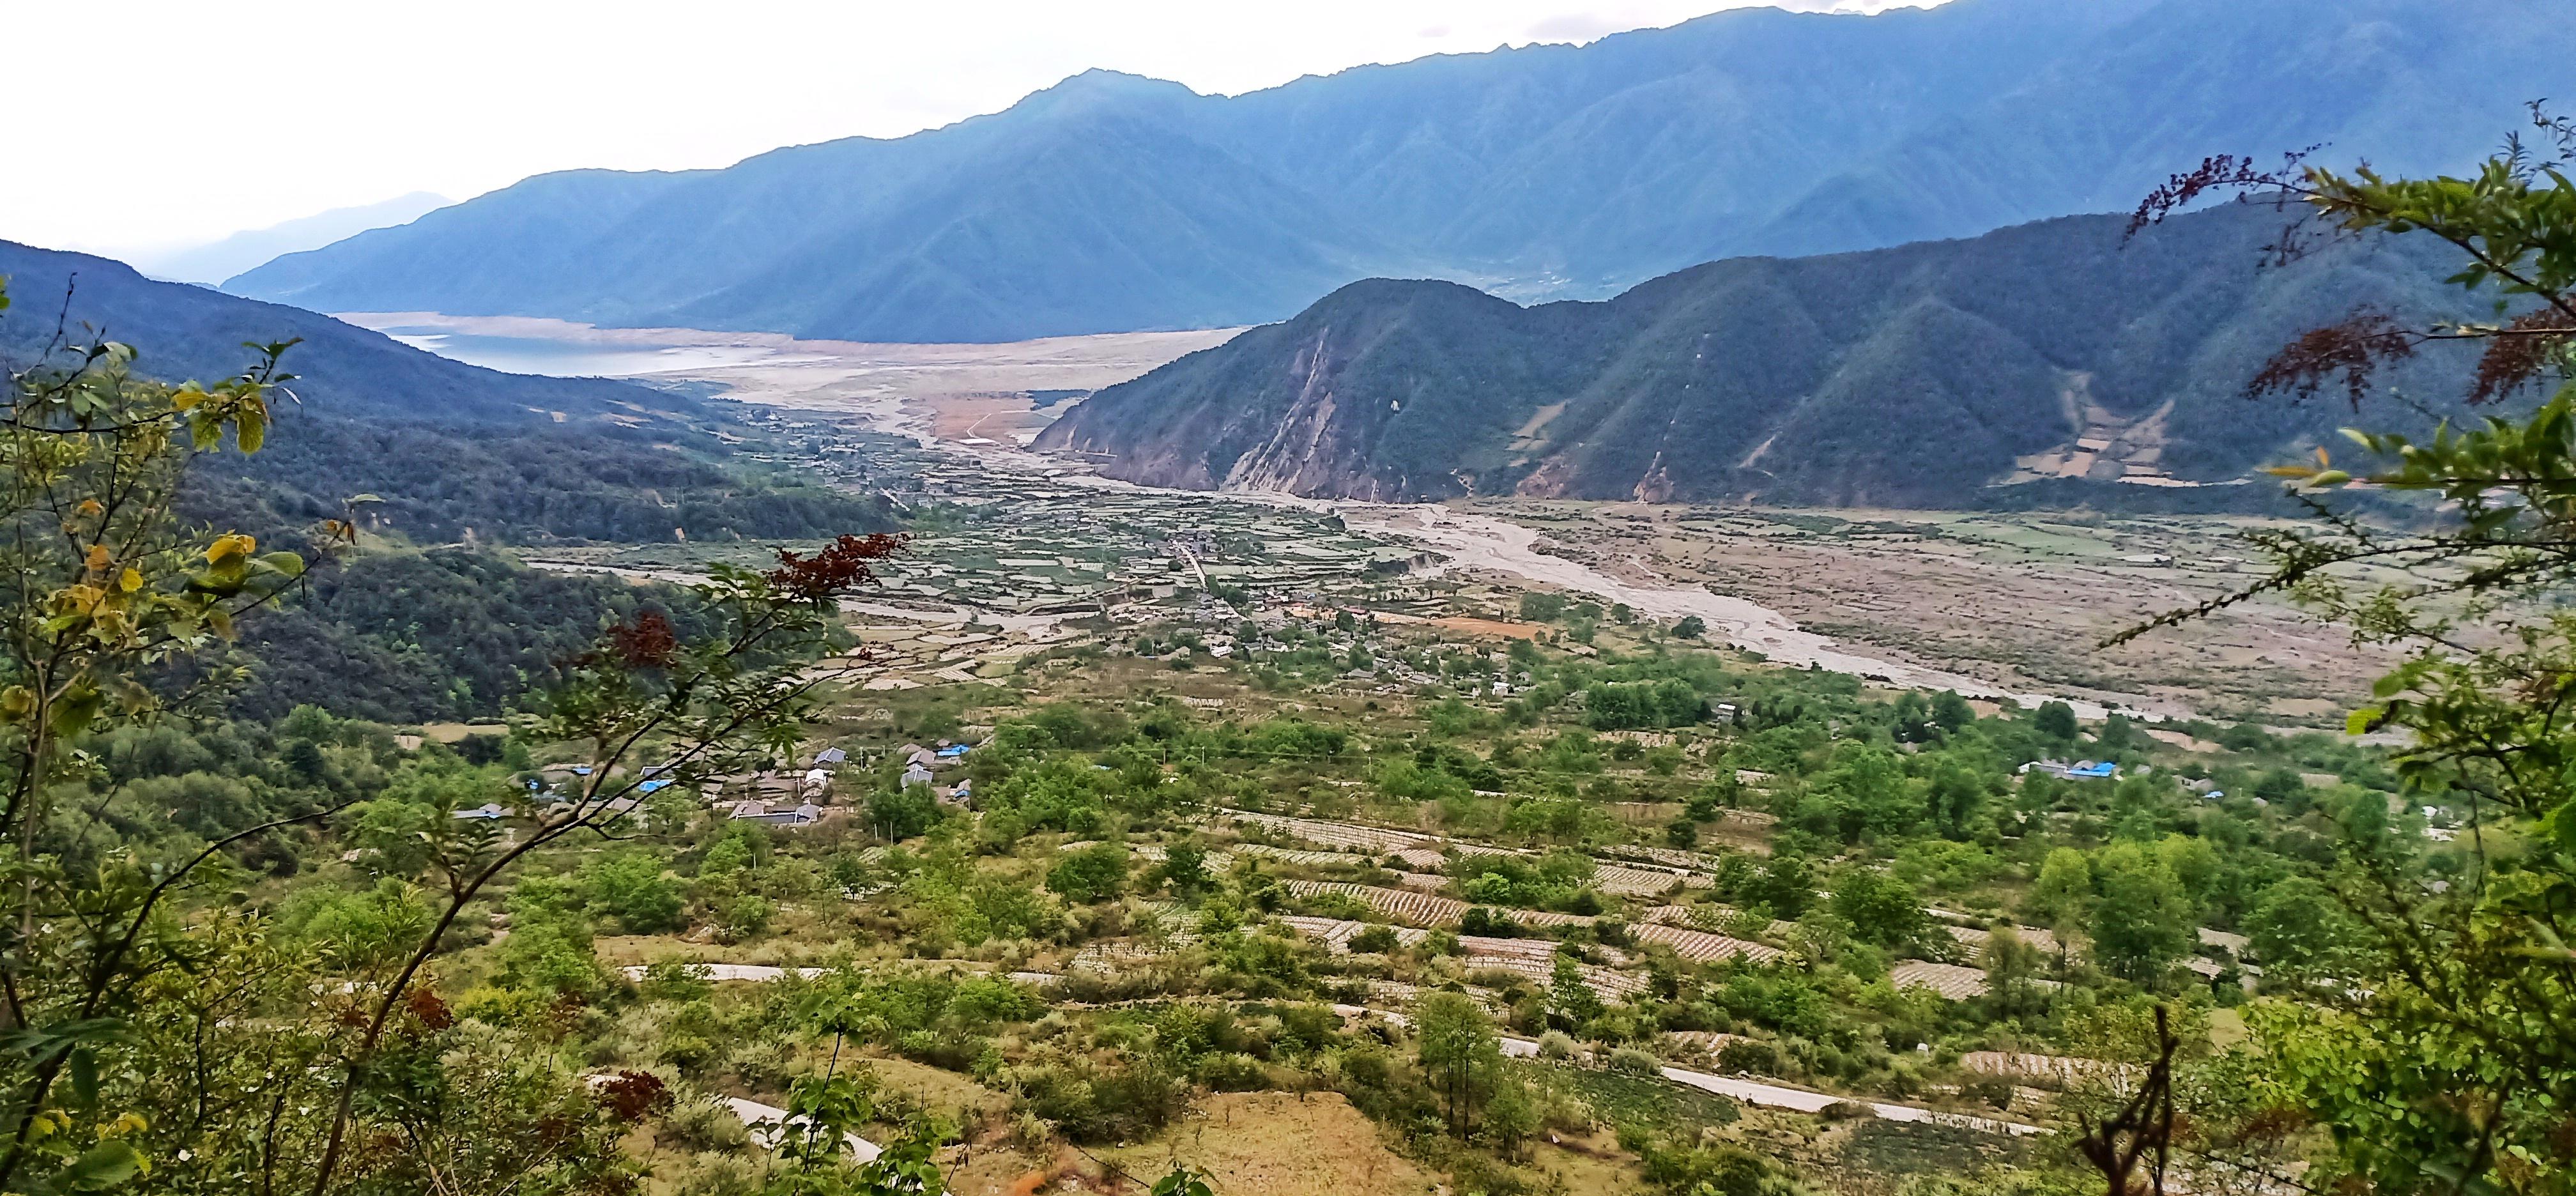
(452, 449)
(1115, 203)
(2059, 361)
(215, 261)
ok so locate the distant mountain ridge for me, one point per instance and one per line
(1114, 203)
(454, 450)
(215, 261)
(2054, 355)
(182, 331)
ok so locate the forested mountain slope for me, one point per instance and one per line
(1113, 203)
(448, 446)
(1934, 373)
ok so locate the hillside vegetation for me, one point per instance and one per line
(1115, 203)
(2053, 353)
(450, 450)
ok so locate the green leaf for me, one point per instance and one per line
(104, 1166)
(2360, 721)
(84, 1068)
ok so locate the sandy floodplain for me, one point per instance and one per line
(2012, 606)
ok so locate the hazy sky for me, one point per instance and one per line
(179, 121)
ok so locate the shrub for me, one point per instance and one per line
(1747, 1056)
(1994, 1092)
(1094, 873)
(1376, 940)
(706, 1123)
(1629, 1061)
(713, 1173)
(1556, 1044)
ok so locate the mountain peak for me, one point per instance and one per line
(1101, 87)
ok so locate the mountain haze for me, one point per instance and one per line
(1114, 203)
(215, 261)
(1928, 374)
(454, 450)
(182, 331)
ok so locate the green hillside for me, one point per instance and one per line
(2052, 354)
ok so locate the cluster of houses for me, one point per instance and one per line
(2081, 770)
(784, 797)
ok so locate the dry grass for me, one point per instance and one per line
(1274, 1144)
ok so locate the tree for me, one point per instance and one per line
(630, 887)
(1184, 867)
(1090, 874)
(1951, 712)
(2451, 1065)
(2145, 921)
(1881, 909)
(2063, 894)
(1570, 999)
(1785, 884)
(2302, 933)
(2056, 720)
(109, 587)
(2011, 966)
(1460, 1053)
(1690, 627)
(902, 812)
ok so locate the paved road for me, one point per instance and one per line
(758, 972)
(769, 1123)
(1753, 1092)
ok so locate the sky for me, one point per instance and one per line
(183, 121)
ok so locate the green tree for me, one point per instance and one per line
(2145, 920)
(630, 887)
(1951, 712)
(1090, 874)
(1690, 627)
(2302, 933)
(1460, 1053)
(1570, 999)
(2063, 893)
(2056, 720)
(1881, 909)
(109, 588)
(2454, 1063)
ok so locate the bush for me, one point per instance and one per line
(1556, 1044)
(1750, 1057)
(1376, 940)
(1994, 1092)
(712, 1173)
(1629, 1061)
(706, 1123)
(1095, 873)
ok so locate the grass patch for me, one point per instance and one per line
(1666, 1108)
(1914, 1147)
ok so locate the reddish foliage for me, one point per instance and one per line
(2223, 172)
(629, 1095)
(2354, 348)
(842, 566)
(2275, 1123)
(431, 1012)
(2527, 346)
(649, 642)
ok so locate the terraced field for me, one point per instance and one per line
(1699, 946)
(1426, 909)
